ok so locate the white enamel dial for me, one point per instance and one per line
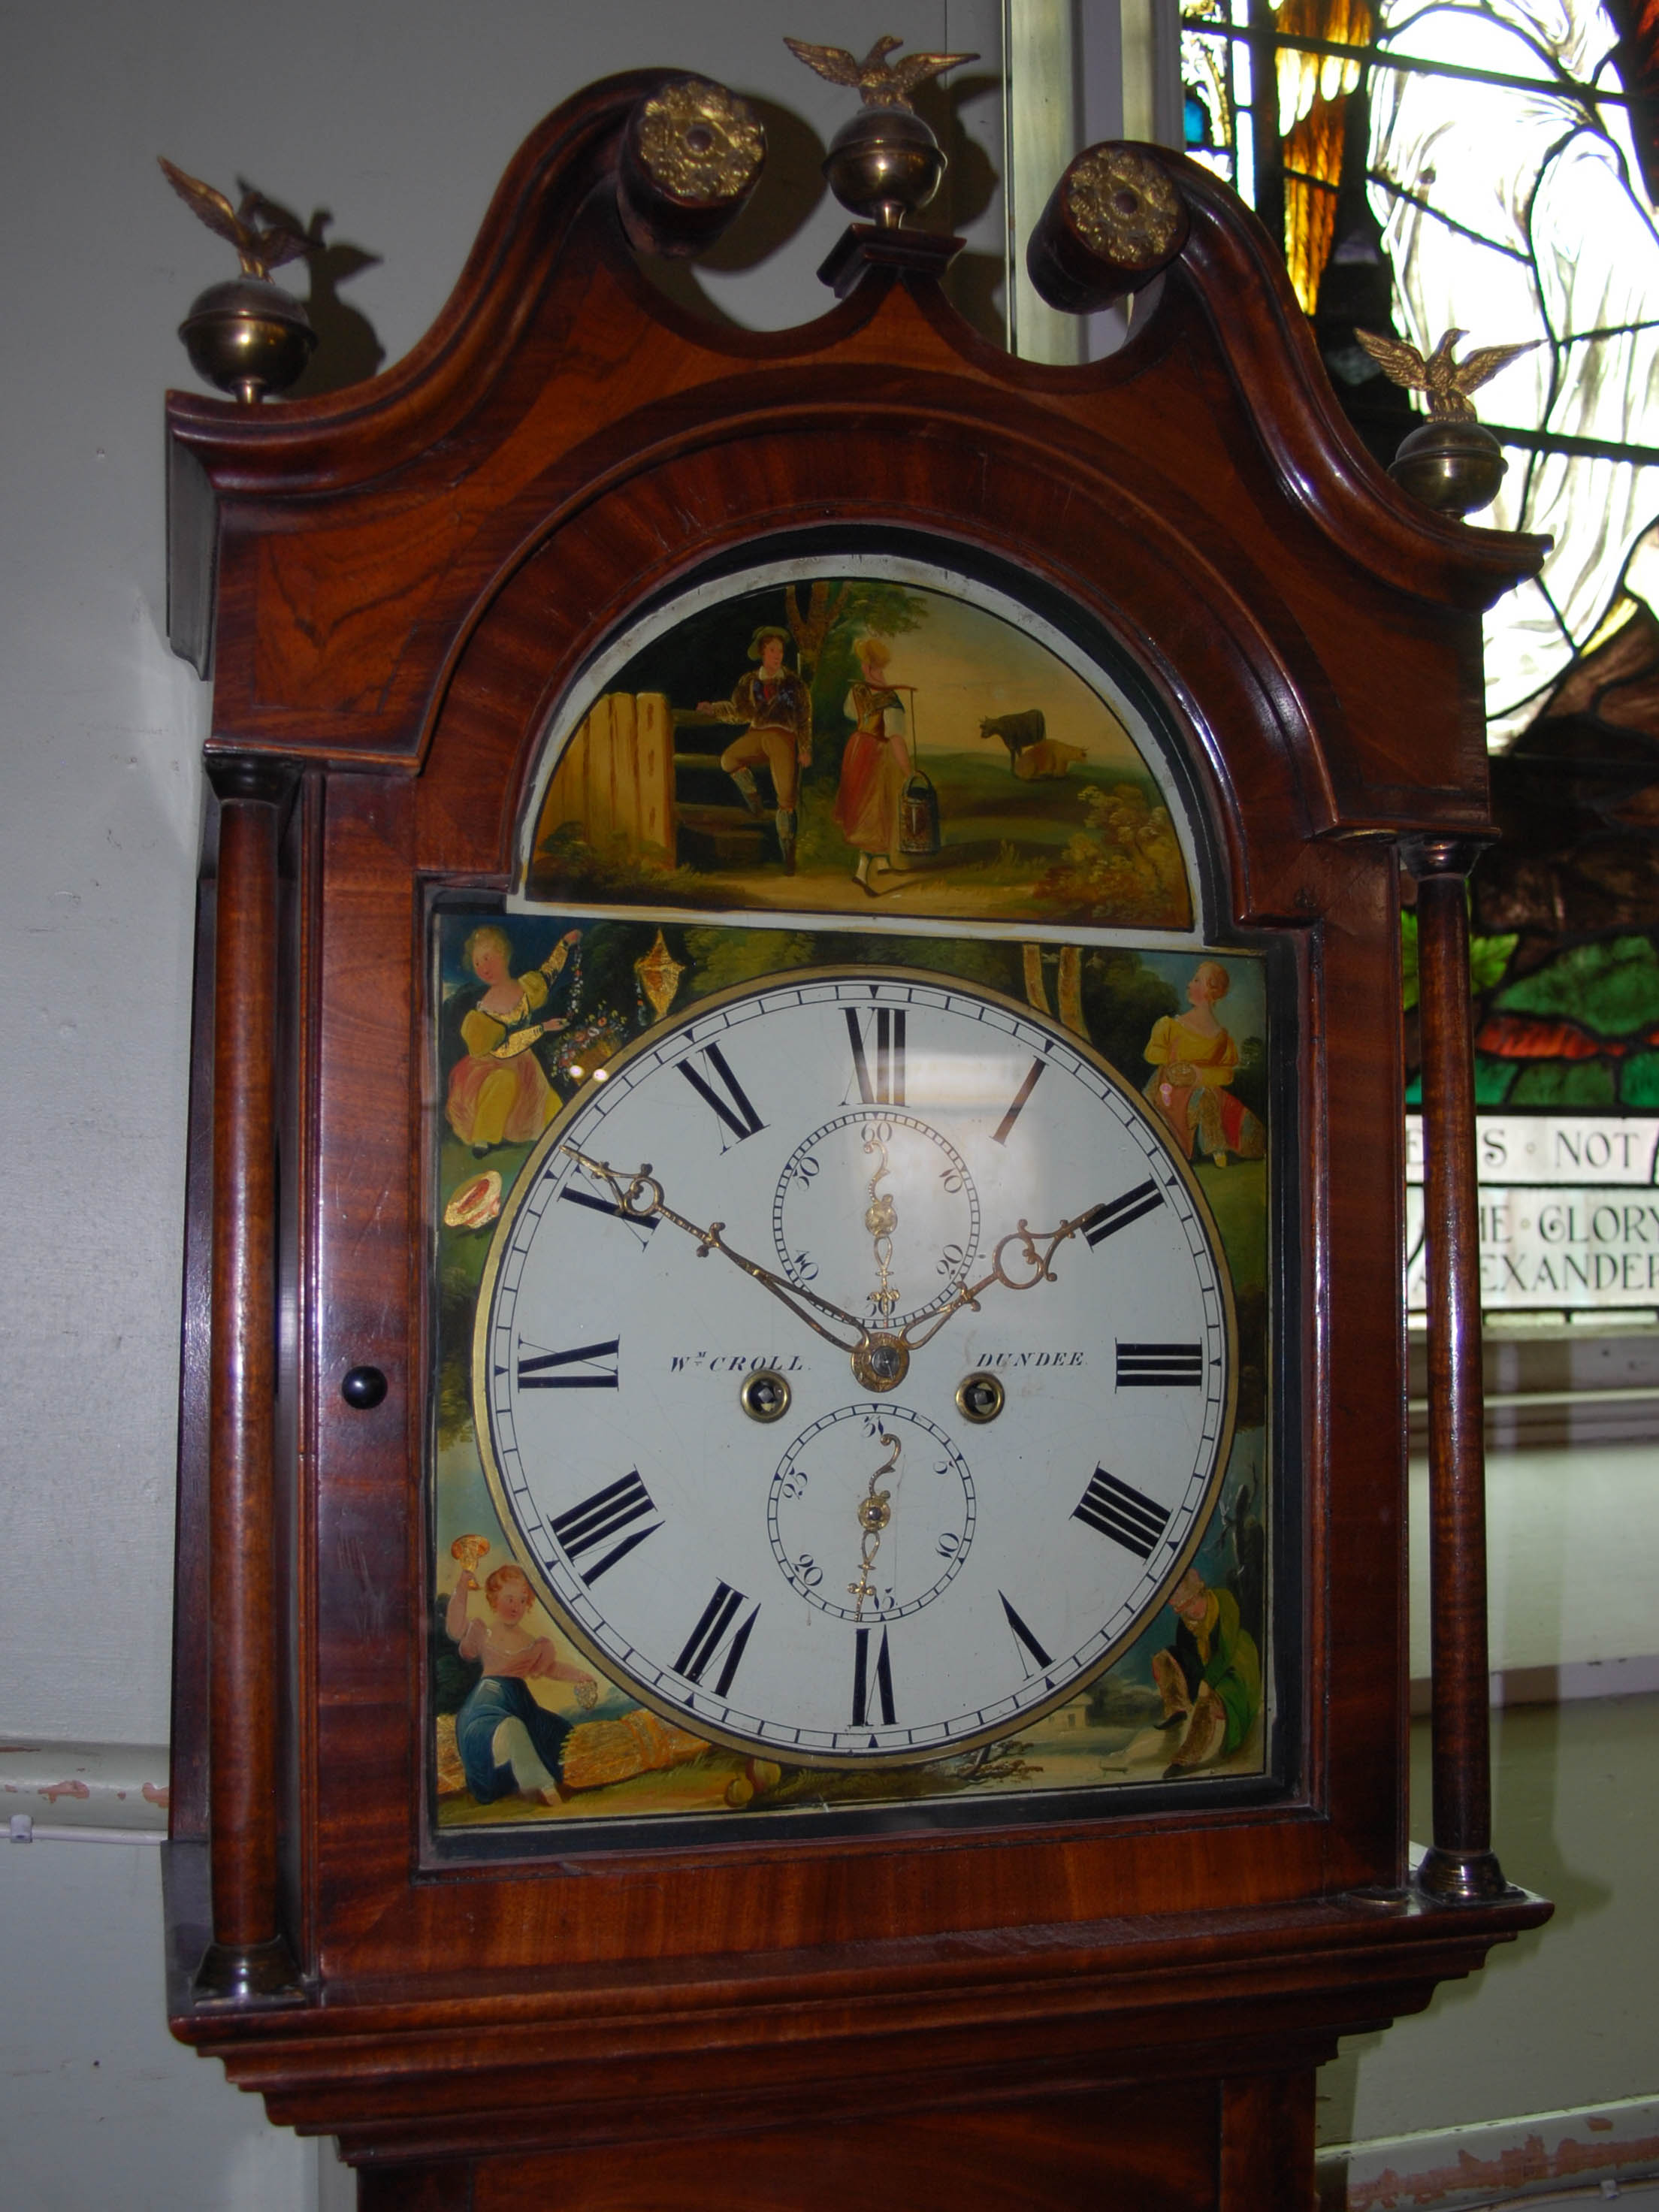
(848, 1567)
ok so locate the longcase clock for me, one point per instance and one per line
(792, 1561)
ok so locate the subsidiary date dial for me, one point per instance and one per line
(856, 1183)
(823, 1513)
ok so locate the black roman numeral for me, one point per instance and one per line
(572, 1196)
(1117, 1213)
(1024, 1638)
(597, 1519)
(540, 1370)
(883, 1678)
(1121, 1513)
(714, 1633)
(887, 1088)
(1155, 1366)
(735, 1109)
(1017, 1107)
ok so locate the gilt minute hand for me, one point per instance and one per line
(638, 1197)
(1037, 1248)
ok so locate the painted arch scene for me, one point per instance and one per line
(859, 745)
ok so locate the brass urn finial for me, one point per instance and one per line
(1452, 461)
(248, 336)
(885, 163)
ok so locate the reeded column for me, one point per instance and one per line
(248, 1961)
(1460, 1865)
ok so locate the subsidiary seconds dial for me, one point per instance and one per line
(855, 1366)
(881, 1149)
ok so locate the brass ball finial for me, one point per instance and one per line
(1452, 463)
(883, 165)
(1454, 467)
(247, 335)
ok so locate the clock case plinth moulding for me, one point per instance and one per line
(392, 587)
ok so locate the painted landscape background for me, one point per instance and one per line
(639, 810)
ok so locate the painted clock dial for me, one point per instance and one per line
(855, 1366)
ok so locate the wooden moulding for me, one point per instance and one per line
(424, 2066)
(866, 247)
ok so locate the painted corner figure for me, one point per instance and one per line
(511, 1745)
(1210, 1678)
(498, 1094)
(776, 705)
(876, 765)
(1192, 1058)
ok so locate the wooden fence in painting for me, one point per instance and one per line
(616, 777)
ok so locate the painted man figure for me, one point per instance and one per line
(1210, 1678)
(777, 708)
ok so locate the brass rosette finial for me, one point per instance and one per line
(885, 163)
(1124, 207)
(691, 154)
(1115, 220)
(1452, 463)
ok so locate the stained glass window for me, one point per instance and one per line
(1482, 151)
(1492, 166)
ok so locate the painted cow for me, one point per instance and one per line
(1016, 732)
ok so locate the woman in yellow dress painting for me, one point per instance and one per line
(498, 1094)
(1193, 1058)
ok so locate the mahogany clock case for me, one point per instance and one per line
(367, 856)
(398, 587)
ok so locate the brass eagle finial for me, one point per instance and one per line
(881, 84)
(258, 249)
(1447, 381)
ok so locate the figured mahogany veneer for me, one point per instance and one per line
(393, 587)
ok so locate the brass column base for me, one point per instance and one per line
(233, 1975)
(1462, 1877)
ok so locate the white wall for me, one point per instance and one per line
(399, 116)
(99, 2106)
(1572, 1560)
